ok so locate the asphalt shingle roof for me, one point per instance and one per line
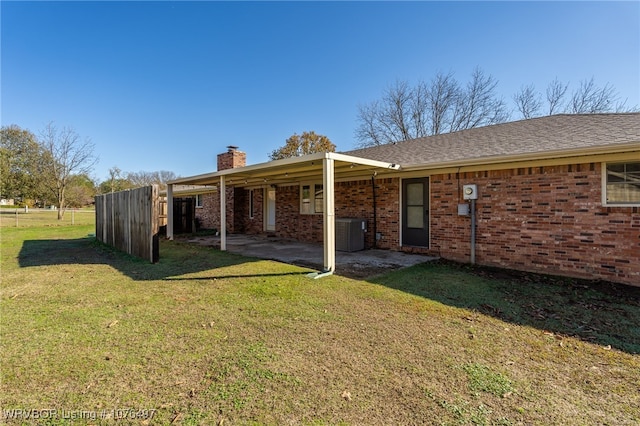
(551, 134)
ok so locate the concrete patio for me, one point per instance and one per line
(359, 264)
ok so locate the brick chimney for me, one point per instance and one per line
(231, 159)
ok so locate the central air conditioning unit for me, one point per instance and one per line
(350, 234)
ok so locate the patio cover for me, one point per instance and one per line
(330, 165)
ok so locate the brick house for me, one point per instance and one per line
(557, 194)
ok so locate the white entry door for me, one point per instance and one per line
(270, 214)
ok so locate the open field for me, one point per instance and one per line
(12, 218)
(205, 337)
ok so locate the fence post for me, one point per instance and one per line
(104, 218)
(128, 222)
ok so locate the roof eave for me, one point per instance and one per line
(498, 159)
(283, 164)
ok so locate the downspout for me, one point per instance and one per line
(375, 218)
(473, 232)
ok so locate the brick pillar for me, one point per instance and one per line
(232, 159)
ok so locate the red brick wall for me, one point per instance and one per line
(542, 219)
(238, 220)
(289, 222)
(209, 214)
(388, 212)
(244, 222)
(355, 199)
(352, 199)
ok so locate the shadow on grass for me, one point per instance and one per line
(598, 312)
(176, 259)
(283, 274)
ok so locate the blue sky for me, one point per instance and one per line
(168, 85)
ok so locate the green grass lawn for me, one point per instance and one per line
(206, 337)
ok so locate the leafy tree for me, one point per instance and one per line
(116, 182)
(66, 154)
(81, 191)
(21, 163)
(115, 185)
(306, 143)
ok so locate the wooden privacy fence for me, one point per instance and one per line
(128, 221)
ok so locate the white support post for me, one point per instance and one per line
(170, 211)
(223, 214)
(329, 220)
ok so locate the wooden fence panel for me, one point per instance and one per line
(109, 235)
(162, 208)
(99, 222)
(120, 217)
(128, 221)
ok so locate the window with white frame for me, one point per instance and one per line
(199, 200)
(311, 198)
(623, 183)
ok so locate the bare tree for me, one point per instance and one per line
(160, 178)
(443, 105)
(406, 112)
(397, 111)
(369, 131)
(528, 101)
(165, 176)
(388, 120)
(590, 99)
(555, 93)
(396, 117)
(419, 109)
(114, 175)
(441, 97)
(478, 105)
(66, 155)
